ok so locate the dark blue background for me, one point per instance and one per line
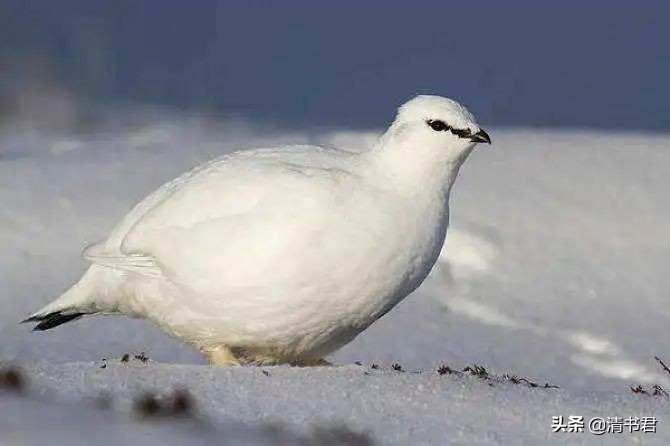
(347, 63)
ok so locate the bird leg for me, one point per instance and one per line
(317, 362)
(221, 355)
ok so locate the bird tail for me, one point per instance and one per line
(47, 321)
(80, 300)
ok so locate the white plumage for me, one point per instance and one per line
(284, 254)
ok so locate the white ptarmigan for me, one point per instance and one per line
(283, 255)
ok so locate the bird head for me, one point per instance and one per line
(430, 136)
(437, 123)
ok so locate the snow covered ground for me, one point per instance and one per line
(555, 268)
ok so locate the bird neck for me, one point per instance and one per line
(416, 168)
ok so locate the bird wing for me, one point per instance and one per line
(227, 222)
(138, 263)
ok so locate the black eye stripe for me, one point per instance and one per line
(465, 133)
(441, 126)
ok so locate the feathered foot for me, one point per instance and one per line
(318, 362)
(221, 356)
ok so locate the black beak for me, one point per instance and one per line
(481, 136)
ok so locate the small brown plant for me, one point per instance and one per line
(148, 405)
(340, 436)
(483, 374)
(12, 379)
(665, 367)
(142, 357)
(178, 404)
(514, 379)
(637, 389)
(477, 370)
(654, 390)
(446, 370)
(181, 402)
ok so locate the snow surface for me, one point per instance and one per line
(555, 269)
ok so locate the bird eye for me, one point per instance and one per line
(437, 125)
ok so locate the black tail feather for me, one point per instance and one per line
(52, 320)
